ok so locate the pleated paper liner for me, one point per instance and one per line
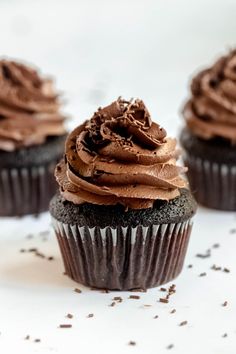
(123, 258)
(213, 184)
(26, 190)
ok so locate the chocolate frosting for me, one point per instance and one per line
(211, 111)
(120, 156)
(29, 108)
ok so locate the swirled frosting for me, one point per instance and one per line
(211, 111)
(29, 108)
(120, 156)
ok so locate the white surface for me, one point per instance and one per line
(99, 50)
(35, 297)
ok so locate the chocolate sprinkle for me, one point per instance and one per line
(170, 346)
(90, 315)
(225, 335)
(132, 343)
(118, 299)
(184, 323)
(69, 315)
(77, 290)
(202, 274)
(163, 289)
(173, 311)
(204, 255)
(225, 304)
(226, 270)
(65, 326)
(27, 337)
(37, 340)
(155, 316)
(163, 300)
(135, 297)
(216, 245)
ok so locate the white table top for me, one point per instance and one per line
(99, 50)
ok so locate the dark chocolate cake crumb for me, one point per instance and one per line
(69, 315)
(202, 274)
(170, 346)
(90, 315)
(65, 325)
(117, 298)
(134, 297)
(51, 258)
(77, 290)
(183, 323)
(131, 342)
(225, 304)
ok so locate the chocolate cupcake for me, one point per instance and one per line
(123, 216)
(32, 136)
(209, 138)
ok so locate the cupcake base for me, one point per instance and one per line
(129, 252)
(27, 180)
(211, 171)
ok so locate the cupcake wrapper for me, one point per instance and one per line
(123, 258)
(26, 190)
(213, 184)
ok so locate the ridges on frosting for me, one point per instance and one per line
(29, 107)
(211, 111)
(120, 156)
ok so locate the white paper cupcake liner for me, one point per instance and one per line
(123, 258)
(213, 184)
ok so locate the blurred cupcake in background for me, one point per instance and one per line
(123, 216)
(209, 138)
(32, 135)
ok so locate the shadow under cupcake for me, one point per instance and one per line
(123, 216)
(209, 138)
(32, 136)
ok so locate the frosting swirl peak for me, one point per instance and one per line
(29, 108)
(120, 156)
(211, 111)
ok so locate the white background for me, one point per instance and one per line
(98, 50)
